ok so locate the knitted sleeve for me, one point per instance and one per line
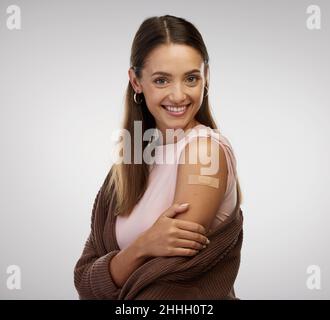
(92, 277)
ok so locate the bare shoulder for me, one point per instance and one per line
(201, 179)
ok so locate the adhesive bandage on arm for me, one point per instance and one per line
(203, 180)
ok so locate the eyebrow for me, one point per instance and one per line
(168, 74)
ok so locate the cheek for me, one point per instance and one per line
(153, 104)
(154, 100)
(198, 98)
(149, 93)
(197, 93)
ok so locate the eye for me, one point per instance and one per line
(158, 80)
(194, 77)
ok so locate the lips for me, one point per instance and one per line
(175, 108)
(176, 111)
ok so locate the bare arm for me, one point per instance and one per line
(126, 261)
(204, 200)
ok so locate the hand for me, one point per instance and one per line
(172, 237)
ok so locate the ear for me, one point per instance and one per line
(134, 81)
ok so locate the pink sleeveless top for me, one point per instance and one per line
(159, 194)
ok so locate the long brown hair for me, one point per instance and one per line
(128, 181)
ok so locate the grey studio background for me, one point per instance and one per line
(62, 81)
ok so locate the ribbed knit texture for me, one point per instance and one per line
(210, 274)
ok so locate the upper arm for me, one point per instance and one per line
(204, 200)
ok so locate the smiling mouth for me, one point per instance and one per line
(176, 110)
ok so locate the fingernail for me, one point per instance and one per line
(204, 246)
(184, 204)
(207, 241)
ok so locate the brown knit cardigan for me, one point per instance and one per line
(210, 274)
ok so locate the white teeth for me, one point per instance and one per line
(176, 109)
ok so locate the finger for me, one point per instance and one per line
(184, 252)
(175, 208)
(188, 235)
(190, 226)
(180, 207)
(183, 243)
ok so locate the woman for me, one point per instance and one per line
(136, 215)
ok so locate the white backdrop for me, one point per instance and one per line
(63, 77)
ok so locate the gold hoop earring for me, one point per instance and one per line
(137, 102)
(207, 91)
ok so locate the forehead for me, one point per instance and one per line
(174, 59)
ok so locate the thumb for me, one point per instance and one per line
(175, 208)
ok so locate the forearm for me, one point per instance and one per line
(123, 264)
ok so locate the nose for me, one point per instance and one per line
(177, 95)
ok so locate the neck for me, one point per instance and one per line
(174, 138)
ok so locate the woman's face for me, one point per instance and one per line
(174, 76)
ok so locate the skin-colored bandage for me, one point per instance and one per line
(203, 180)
